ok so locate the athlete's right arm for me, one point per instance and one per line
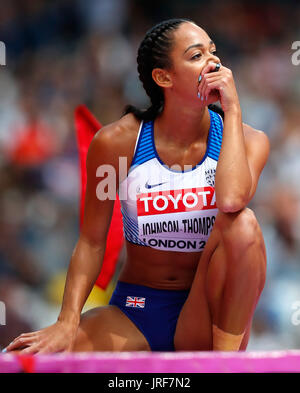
(86, 259)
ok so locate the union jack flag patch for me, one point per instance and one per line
(137, 302)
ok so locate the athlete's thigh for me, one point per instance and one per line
(108, 329)
(194, 326)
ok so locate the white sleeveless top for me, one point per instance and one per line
(166, 208)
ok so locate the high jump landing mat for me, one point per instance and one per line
(159, 362)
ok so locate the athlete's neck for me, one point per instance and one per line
(183, 125)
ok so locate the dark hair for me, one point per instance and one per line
(154, 52)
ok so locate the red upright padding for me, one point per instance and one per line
(86, 126)
(27, 363)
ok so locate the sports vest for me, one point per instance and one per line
(166, 208)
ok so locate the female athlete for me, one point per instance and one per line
(196, 259)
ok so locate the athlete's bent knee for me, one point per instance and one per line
(245, 226)
(245, 241)
(241, 230)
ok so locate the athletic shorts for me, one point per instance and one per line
(154, 311)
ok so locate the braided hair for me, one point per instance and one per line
(153, 53)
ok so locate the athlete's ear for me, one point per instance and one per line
(162, 77)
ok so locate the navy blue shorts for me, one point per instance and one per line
(154, 311)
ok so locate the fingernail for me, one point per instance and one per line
(4, 350)
(199, 79)
(201, 98)
(198, 95)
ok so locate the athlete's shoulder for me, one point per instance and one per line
(115, 139)
(117, 133)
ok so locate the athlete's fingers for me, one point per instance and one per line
(206, 88)
(25, 335)
(207, 71)
(17, 343)
(212, 86)
(31, 334)
(208, 78)
(44, 350)
(210, 67)
(33, 349)
(22, 340)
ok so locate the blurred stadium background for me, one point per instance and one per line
(62, 53)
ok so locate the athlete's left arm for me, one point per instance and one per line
(257, 151)
(244, 151)
(242, 159)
